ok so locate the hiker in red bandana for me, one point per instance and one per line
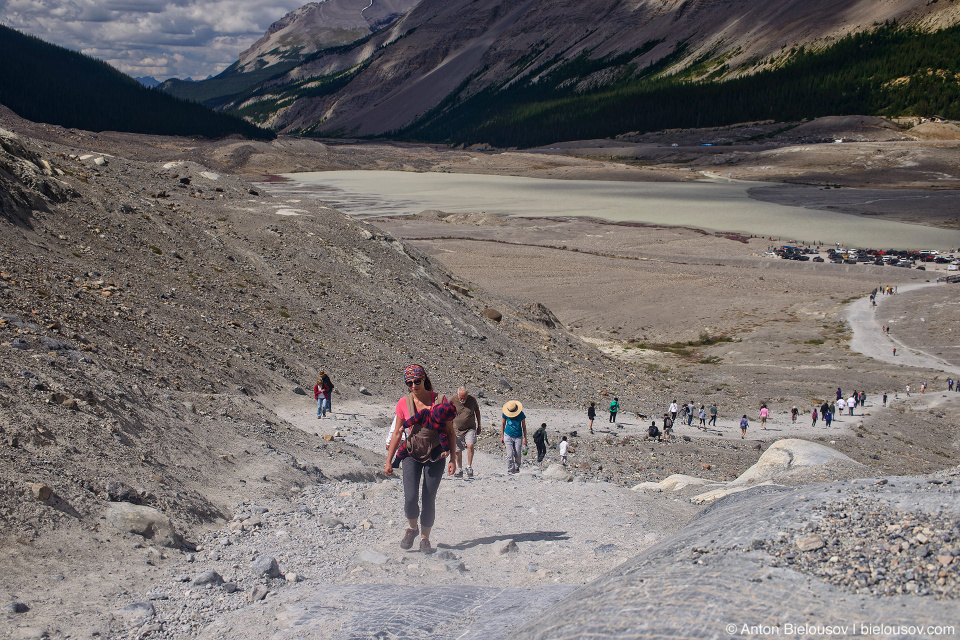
(419, 416)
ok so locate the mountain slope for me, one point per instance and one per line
(291, 40)
(443, 52)
(46, 83)
(152, 314)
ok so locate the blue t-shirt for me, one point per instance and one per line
(513, 428)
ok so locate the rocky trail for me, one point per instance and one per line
(162, 318)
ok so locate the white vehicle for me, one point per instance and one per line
(953, 267)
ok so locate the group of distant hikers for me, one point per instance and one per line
(429, 433)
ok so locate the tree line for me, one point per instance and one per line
(888, 71)
(47, 83)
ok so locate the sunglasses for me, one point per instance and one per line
(410, 383)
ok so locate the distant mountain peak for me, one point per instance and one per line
(320, 25)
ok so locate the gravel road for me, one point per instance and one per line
(870, 340)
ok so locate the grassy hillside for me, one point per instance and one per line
(46, 83)
(220, 89)
(889, 71)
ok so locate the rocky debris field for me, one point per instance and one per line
(267, 568)
(728, 572)
(162, 321)
(152, 313)
(877, 550)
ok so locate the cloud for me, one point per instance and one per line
(179, 38)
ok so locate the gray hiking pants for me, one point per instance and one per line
(432, 474)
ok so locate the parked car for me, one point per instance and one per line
(819, 259)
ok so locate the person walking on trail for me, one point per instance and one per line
(744, 423)
(702, 415)
(422, 469)
(673, 410)
(713, 415)
(794, 412)
(841, 405)
(827, 419)
(614, 409)
(540, 439)
(564, 446)
(884, 398)
(813, 417)
(667, 426)
(691, 410)
(851, 403)
(321, 397)
(839, 393)
(513, 434)
(764, 414)
(328, 391)
(652, 432)
(825, 407)
(467, 428)
(321, 393)
(592, 414)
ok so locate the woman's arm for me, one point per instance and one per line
(503, 426)
(523, 425)
(393, 446)
(452, 439)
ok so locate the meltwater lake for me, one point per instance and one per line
(713, 205)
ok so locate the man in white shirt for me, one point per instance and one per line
(841, 405)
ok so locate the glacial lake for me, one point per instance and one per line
(711, 204)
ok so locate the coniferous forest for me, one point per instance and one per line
(890, 71)
(46, 83)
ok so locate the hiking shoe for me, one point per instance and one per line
(469, 472)
(458, 474)
(408, 536)
(425, 546)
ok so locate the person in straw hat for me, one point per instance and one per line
(513, 433)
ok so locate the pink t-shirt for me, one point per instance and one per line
(402, 405)
(764, 413)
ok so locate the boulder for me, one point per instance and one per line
(265, 566)
(787, 457)
(40, 491)
(558, 472)
(208, 577)
(136, 614)
(674, 482)
(143, 521)
(492, 314)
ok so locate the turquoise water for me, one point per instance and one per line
(714, 205)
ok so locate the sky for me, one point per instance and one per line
(180, 38)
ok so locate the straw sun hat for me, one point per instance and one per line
(512, 409)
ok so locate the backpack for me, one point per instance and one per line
(423, 444)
